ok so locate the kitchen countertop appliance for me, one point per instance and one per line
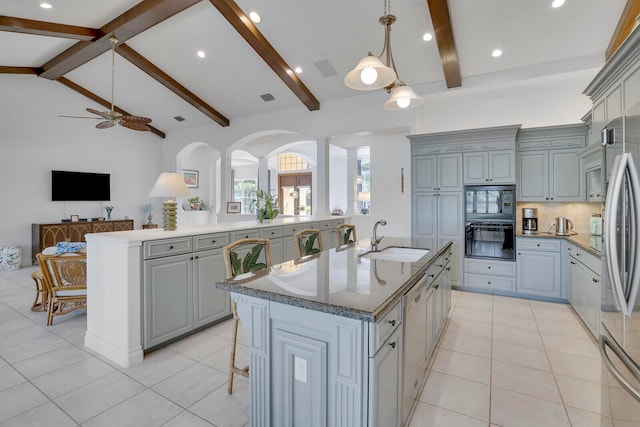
(529, 220)
(564, 226)
(619, 341)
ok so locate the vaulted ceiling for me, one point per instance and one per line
(159, 75)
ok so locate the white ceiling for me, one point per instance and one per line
(535, 38)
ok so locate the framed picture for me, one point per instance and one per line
(190, 178)
(75, 218)
(233, 207)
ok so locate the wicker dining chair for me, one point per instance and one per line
(242, 257)
(346, 234)
(308, 242)
(65, 277)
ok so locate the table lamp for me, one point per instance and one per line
(364, 196)
(169, 184)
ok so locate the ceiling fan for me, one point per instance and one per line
(112, 117)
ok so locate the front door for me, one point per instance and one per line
(294, 193)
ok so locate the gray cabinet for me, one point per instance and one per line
(168, 299)
(385, 379)
(549, 168)
(583, 277)
(491, 167)
(490, 275)
(179, 293)
(539, 267)
(437, 172)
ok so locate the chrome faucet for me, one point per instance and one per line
(374, 237)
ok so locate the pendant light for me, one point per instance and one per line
(371, 73)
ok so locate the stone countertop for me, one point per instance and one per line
(339, 281)
(587, 242)
(159, 233)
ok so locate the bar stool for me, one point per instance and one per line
(346, 234)
(308, 242)
(257, 256)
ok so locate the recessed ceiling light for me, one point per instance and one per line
(201, 54)
(496, 53)
(45, 5)
(298, 70)
(427, 37)
(557, 3)
(255, 17)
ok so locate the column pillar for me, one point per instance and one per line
(352, 181)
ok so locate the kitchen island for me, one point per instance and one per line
(342, 339)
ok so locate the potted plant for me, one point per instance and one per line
(265, 205)
(195, 203)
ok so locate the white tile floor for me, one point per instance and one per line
(502, 362)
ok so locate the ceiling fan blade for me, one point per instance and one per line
(134, 125)
(81, 117)
(105, 125)
(103, 114)
(136, 119)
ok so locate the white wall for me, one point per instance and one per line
(34, 141)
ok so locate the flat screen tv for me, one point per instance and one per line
(80, 186)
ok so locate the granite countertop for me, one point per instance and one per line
(588, 242)
(339, 281)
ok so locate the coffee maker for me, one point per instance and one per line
(529, 221)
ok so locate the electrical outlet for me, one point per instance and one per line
(300, 369)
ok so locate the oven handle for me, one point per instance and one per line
(493, 226)
(605, 340)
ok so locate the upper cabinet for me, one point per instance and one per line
(491, 167)
(438, 172)
(616, 87)
(548, 165)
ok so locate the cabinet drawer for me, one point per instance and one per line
(494, 268)
(490, 282)
(590, 261)
(384, 327)
(530, 244)
(290, 230)
(160, 248)
(210, 241)
(271, 233)
(244, 234)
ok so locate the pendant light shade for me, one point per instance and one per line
(370, 74)
(403, 97)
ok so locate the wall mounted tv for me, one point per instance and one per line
(80, 186)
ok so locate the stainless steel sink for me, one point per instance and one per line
(397, 253)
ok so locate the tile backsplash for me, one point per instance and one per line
(579, 213)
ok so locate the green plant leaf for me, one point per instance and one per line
(236, 264)
(308, 248)
(250, 262)
(346, 237)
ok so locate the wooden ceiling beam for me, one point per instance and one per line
(148, 67)
(443, 29)
(19, 70)
(50, 29)
(106, 104)
(243, 25)
(625, 25)
(139, 18)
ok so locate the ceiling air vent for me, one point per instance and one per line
(325, 68)
(179, 118)
(267, 97)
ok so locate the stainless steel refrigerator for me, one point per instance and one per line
(619, 341)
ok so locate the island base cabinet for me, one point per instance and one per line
(385, 382)
(168, 299)
(209, 303)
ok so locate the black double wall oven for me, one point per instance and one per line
(490, 222)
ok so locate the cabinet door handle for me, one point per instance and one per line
(392, 344)
(431, 275)
(552, 198)
(197, 257)
(392, 322)
(489, 267)
(436, 287)
(488, 282)
(191, 259)
(170, 247)
(213, 241)
(572, 263)
(595, 280)
(538, 244)
(439, 265)
(519, 253)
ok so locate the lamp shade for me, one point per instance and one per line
(370, 74)
(403, 97)
(169, 184)
(364, 196)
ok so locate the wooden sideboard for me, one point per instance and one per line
(45, 235)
